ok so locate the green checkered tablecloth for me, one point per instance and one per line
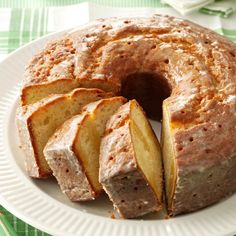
(20, 227)
(22, 21)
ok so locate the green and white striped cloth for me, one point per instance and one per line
(12, 226)
(22, 21)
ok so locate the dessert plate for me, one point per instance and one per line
(41, 203)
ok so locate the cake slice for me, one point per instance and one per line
(130, 162)
(73, 150)
(37, 122)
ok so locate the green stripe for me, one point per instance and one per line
(43, 22)
(35, 24)
(226, 31)
(26, 29)
(20, 226)
(46, 3)
(3, 41)
(231, 38)
(15, 23)
(46, 21)
(7, 34)
(6, 228)
(219, 31)
(230, 31)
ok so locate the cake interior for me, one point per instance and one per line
(47, 119)
(35, 93)
(147, 150)
(88, 139)
(168, 155)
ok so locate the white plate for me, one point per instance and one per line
(41, 203)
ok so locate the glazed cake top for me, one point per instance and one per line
(198, 64)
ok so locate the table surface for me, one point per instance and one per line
(25, 20)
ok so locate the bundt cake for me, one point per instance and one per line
(156, 59)
(73, 151)
(37, 122)
(130, 162)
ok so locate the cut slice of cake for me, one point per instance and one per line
(169, 153)
(130, 162)
(37, 122)
(73, 151)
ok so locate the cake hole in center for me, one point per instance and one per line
(149, 90)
